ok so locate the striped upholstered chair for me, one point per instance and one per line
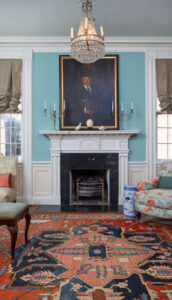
(154, 197)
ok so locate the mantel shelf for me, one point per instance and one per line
(117, 133)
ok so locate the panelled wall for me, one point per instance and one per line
(137, 83)
(42, 179)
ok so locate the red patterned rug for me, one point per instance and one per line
(88, 259)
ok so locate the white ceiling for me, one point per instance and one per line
(55, 17)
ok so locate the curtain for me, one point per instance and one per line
(164, 84)
(10, 85)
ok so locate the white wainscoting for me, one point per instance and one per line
(42, 187)
(137, 171)
(41, 179)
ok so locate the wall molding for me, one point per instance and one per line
(27, 123)
(65, 40)
(151, 112)
(41, 163)
(138, 163)
(41, 180)
(137, 172)
(44, 201)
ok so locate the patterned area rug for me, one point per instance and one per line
(88, 259)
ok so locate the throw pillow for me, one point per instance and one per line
(5, 180)
(165, 182)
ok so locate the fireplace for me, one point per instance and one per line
(108, 142)
(89, 179)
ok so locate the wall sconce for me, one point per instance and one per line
(123, 114)
(54, 116)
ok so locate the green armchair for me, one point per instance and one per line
(154, 199)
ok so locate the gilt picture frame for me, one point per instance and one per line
(89, 94)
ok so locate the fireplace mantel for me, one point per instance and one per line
(115, 133)
(89, 141)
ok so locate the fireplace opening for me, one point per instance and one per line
(89, 187)
(96, 175)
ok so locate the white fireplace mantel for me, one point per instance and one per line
(90, 141)
(121, 133)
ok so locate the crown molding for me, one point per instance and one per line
(139, 40)
(63, 40)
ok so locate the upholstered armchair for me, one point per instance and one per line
(8, 178)
(154, 197)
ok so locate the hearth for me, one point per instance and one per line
(89, 179)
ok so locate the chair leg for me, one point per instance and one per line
(138, 215)
(27, 217)
(13, 231)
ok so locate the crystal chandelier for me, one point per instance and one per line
(87, 46)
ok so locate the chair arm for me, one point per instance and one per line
(148, 185)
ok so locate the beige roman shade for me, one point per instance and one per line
(10, 85)
(164, 84)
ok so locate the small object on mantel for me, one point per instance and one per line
(89, 123)
(102, 128)
(78, 127)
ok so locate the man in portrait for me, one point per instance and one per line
(86, 103)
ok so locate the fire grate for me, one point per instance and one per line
(91, 187)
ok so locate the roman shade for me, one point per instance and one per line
(10, 85)
(164, 84)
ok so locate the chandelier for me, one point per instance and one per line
(87, 46)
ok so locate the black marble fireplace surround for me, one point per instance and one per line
(89, 161)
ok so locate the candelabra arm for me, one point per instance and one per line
(54, 117)
(122, 119)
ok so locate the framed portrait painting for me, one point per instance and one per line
(89, 93)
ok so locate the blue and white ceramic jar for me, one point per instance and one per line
(129, 202)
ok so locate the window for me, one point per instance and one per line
(11, 107)
(164, 134)
(164, 108)
(10, 135)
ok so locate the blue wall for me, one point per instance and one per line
(131, 75)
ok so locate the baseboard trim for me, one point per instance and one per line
(45, 201)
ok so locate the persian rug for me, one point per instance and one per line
(88, 259)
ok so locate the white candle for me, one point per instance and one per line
(131, 105)
(86, 23)
(122, 107)
(112, 107)
(64, 107)
(54, 107)
(45, 105)
(71, 33)
(101, 31)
